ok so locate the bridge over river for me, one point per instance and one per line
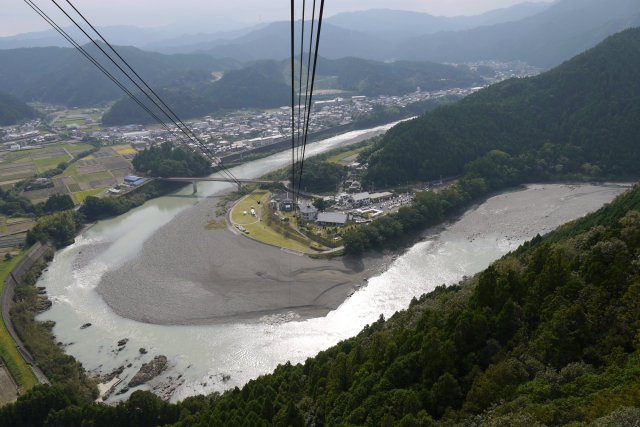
(237, 181)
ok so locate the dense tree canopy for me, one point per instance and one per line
(580, 117)
(169, 160)
(13, 110)
(320, 176)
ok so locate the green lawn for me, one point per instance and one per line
(43, 165)
(20, 371)
(79, 196)
(258, 230)
(77, 147)
(96, 176)
(72, 170)
(14, 156)
(341, 156)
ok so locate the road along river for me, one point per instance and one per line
(141, 277)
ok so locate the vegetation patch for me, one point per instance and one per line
(80, 196)
(124, 150)
(43, 165)
(215, 224)
(20, 371)
(257, 228)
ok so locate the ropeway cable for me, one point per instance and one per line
(184, 128)
(168, 108)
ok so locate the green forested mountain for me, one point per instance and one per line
(266, 84)
(580, 116)
(13, 110)
(260, 85)
(63, 76)
(548, 335)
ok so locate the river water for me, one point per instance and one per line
(214, 357)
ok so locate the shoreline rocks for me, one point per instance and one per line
(148, 371)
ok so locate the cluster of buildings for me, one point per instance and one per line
(25, 136)
(247, 130)
(343, 208)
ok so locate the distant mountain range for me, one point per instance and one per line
(543, 34)
(553, 33)
(171, 40)
(13, 110)
(565, 29)
(395, 23)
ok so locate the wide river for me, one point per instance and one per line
(213, 357)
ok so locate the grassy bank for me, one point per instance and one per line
(19, 369)
(259, 229)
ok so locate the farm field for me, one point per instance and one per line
(87, 176)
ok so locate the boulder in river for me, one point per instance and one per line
(148, 371)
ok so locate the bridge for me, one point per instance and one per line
(238, 181)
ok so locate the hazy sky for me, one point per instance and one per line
(217, 15)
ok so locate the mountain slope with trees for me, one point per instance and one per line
(580, 117)
(13, 110)
(63, 76)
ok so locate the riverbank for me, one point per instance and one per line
(221, 276)
(217, 355)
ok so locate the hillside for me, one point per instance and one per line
(63, 76)
(13, 110)
(261, 85)
(578, 118)
(264, 84)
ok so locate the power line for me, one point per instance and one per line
(87, 55)
(293, 97)
(313, 77)
(195, 140)
(173, 114)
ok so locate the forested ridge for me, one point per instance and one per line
(63, 76)
(579, 117)
(13, 110)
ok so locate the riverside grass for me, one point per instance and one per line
(18, 368)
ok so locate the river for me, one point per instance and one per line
(216, 356)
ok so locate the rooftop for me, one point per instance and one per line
(333, 217)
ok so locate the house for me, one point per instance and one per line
(133, 180)
(361, 199)
(332, 219)
(354, 187)
(380, 197)
(282, 202)
(306, 211)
